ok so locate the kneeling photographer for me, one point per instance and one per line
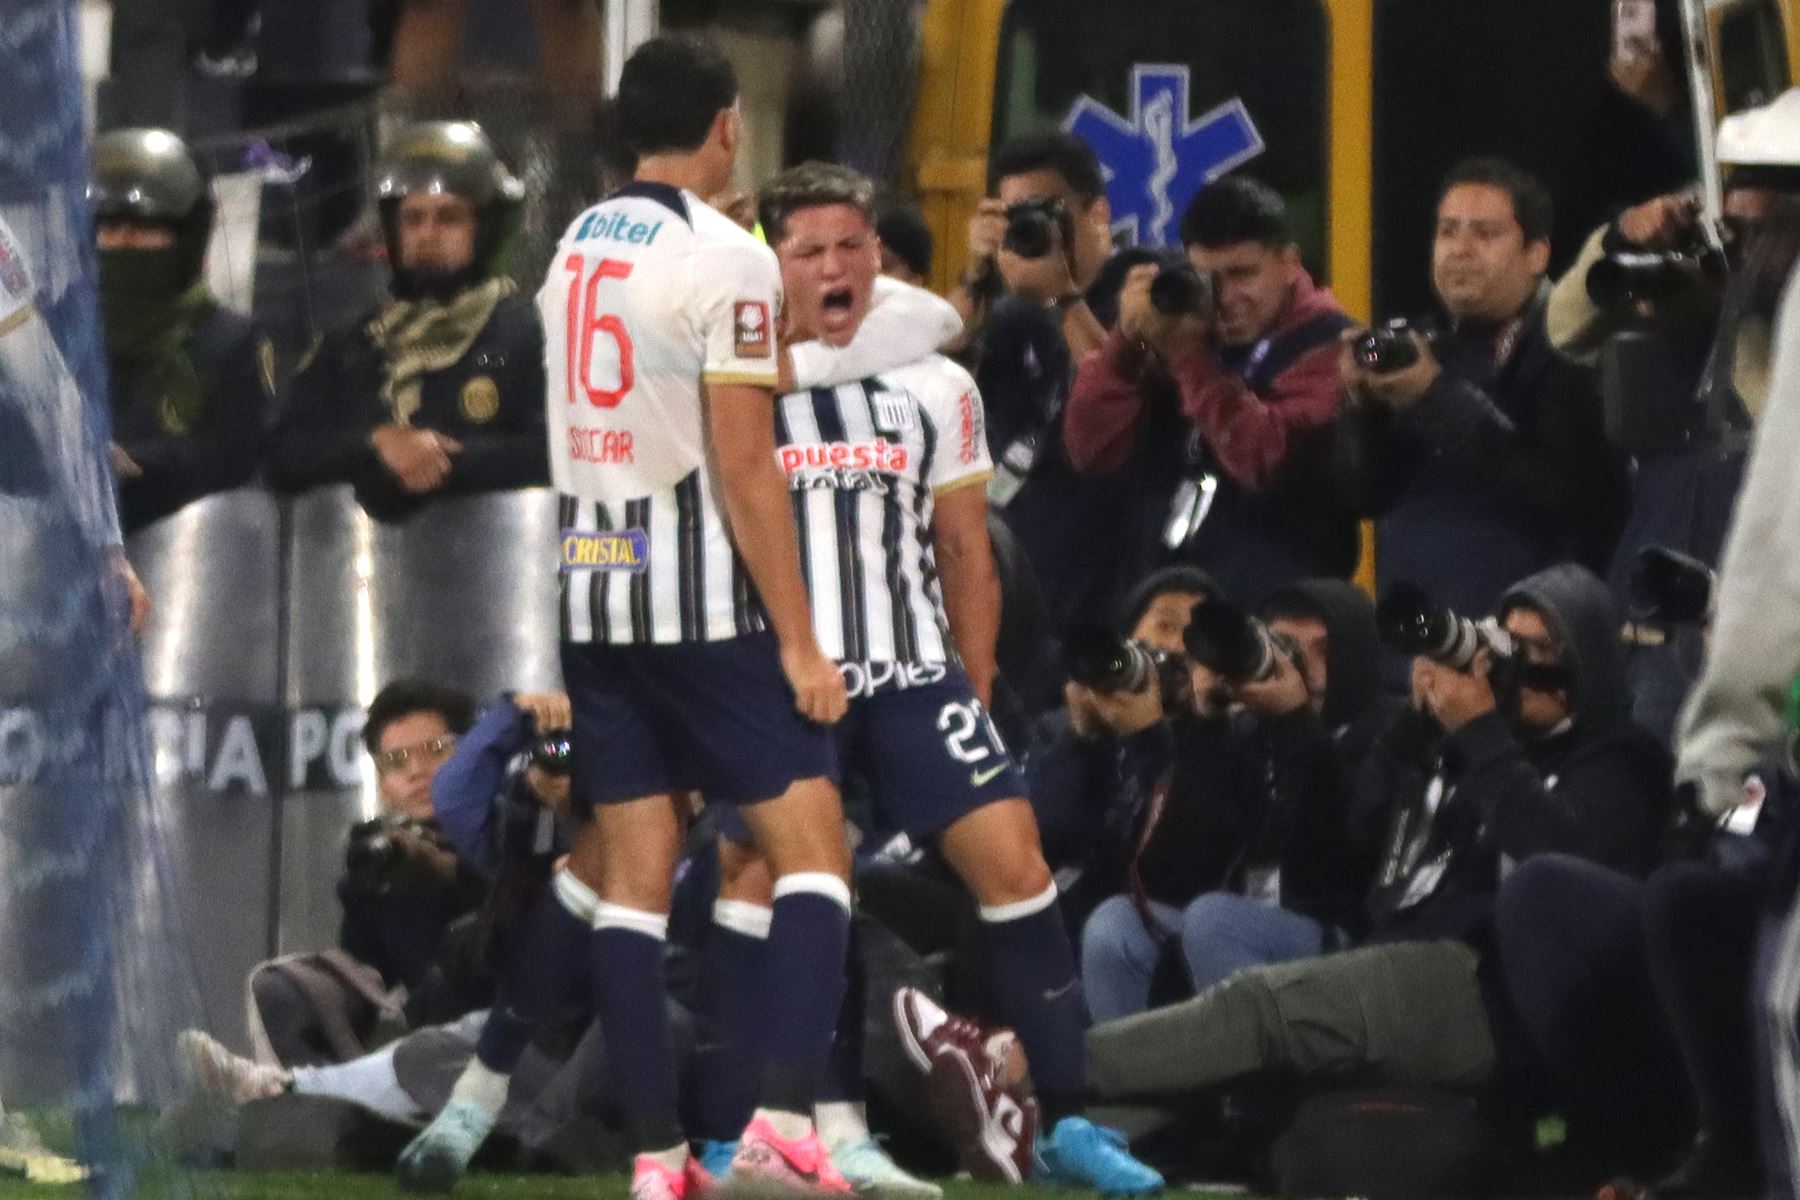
(1247, 377)
(1239, 858)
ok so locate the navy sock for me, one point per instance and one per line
(803, 980)
(630, 1000)
(727, 1048)
(1034, 990)
(546, 962)
(843, 1078)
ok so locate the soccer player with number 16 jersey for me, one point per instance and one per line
(688, 649)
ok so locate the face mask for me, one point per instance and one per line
(137, 290)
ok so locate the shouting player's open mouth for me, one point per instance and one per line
(836, 310)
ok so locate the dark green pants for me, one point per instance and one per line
(1409, 1013)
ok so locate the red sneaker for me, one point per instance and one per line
(976, 1088)
(650, 1180)
(766, 1163)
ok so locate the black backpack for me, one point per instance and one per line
(1387, 1144)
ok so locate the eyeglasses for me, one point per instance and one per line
(432, 750)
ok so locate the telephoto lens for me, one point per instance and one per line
(1387, 349)
(1412, 623)
(1179, 290)
(1231, 643)
(1631, 277)
(1103, 662)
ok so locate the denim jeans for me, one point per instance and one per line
(1220, 934)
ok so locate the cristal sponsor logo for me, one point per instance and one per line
(622, 550)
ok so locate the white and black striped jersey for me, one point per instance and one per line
(863, 461)
(651, 296)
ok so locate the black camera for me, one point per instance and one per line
(1032, 227)
(1102, 661)
(1388, 348)
(1670, 588)
(552, 752)
(1633, 276)
(374, 853)
(1232, 644)
(1413, 624)
(1178, 290)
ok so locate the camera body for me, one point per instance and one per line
(1413, 624)
(1670, 588)
(1387, 348)
(1234, 645)
(1032, 227)
(375, 854)
(1103, 662)
(1178, 290)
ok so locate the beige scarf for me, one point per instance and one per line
(417, 337)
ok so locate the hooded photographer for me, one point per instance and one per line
(1240, 855)
(192, 382)
(440, 389)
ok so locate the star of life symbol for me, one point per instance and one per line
(1155, 160)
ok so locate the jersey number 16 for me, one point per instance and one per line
(596, 336)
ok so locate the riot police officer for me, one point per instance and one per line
(440, 389)
(192, 382)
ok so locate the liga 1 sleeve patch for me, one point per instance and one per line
(753, 335)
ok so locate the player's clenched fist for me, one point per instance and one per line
(819, 692)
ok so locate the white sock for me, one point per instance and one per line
(482, 1086)
(789, 1125)
(369, 1081)
(841, 1122)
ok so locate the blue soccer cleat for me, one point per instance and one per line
(716, 1158)
(1079, 1153)
(440, 1155)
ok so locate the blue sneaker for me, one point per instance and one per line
(716, 1158)
(872, 1172)
(439, 1156)
(1079, 1153)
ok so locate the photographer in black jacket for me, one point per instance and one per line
(1485, 458)
(1241, 857)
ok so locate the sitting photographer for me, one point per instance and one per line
(1241, 859)
(1042, 286)
(1256, 371)
(439, 390)
(1482, 452)
(1095, 763)
(403, 887)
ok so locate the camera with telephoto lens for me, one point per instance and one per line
(375, 852)
(1103, 662)
(1234, 645)
(552, 752)
(1388, 348)
(1032, 227)
(1178, 290)
(1413, 624)
(1635, 276)
(1670, 588)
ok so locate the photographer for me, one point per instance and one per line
(1256, 372)
(1241, 860)
(1042, 286)
(405, 882)
(1485, 454)
(1096, 762)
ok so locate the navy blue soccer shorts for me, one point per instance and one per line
(717, 718)
(924, 745)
